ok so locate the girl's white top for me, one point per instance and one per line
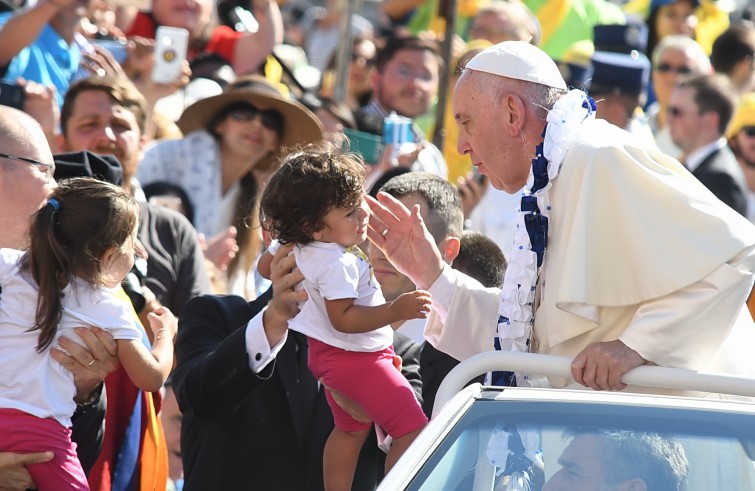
(333, 272)
(33, 382)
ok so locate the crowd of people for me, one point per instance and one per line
(592, 195)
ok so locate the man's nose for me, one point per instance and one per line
(106, 133)
(375, 253)
(462, 146)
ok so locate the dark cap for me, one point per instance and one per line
(621, 38)
(620, 73)
(88, 164)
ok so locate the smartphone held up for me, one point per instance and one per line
(171, 44)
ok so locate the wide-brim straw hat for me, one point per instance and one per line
(300, 125)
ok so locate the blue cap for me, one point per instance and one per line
(654, 4)
(621, 38)
(620, 73)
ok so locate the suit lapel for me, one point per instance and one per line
(703, 167)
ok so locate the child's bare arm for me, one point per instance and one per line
(263, 265)
(149, 370)
(349, 318)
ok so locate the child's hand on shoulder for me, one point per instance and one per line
(412, 305)
(163, 323)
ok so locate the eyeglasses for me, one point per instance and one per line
(271, 119)
(667, 67)
(748, 130)
(407, 73)
(47, 169)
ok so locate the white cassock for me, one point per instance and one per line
(638, 250)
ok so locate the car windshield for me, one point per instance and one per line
(534, 445)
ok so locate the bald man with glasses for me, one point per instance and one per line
(26, 181)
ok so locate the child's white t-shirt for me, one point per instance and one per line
(33, 382)
(332, 272)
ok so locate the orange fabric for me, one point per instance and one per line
(154, 451)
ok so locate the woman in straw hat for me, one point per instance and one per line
(231, 144)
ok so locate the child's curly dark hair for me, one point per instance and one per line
(311, 181)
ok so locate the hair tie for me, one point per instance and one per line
(54, 203)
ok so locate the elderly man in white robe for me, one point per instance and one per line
(621, 257)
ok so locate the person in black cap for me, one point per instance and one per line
(621, 73)
(619, 86)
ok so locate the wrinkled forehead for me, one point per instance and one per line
(467, 87)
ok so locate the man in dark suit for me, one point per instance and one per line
(253, 415)
(699, 111)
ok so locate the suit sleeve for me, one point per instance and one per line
(88, 429)
(727, 189)
(212, 375)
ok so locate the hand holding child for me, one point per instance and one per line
(89, 363)
(13, 473)
(412, 305)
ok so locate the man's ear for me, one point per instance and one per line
(449, 249)
(515, 113)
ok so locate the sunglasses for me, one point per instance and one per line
(748, 130)
(271, 119)
(666, 67)
(47, 169)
